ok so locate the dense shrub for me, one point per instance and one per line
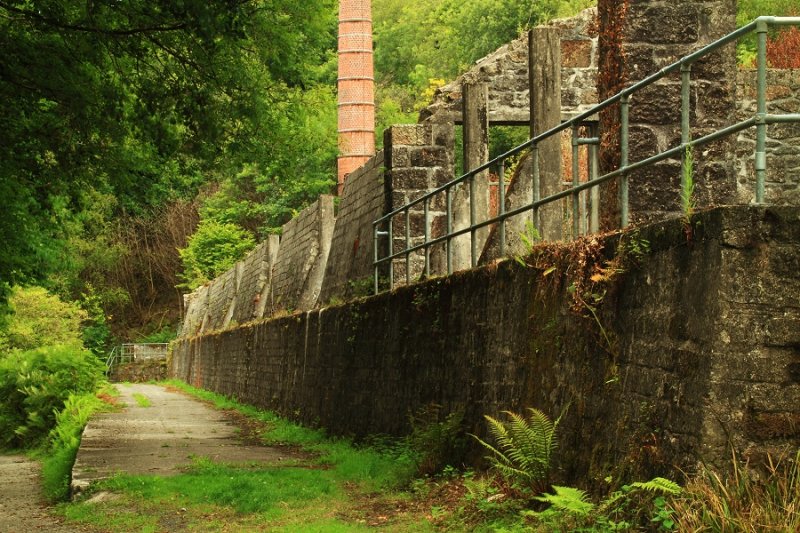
(34, 386)
(39, 319)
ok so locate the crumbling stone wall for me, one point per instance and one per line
(241, 294)
(302, 255)
(783, 140)
(277, 275)
(349, 271)
(254, 286)
(506, 71)
(690, 357)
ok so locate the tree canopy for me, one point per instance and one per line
(136, 104)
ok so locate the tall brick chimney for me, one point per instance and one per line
(356, 87)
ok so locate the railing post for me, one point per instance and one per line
(623, 150)
(501, 205)
(576, 212)
(761, 111)
(408, 245)
(594, 225)
(391, 253)
(449, 193)
(473, 208)
(537, 191)
(375, 256)
(427, 250)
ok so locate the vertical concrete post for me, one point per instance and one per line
(545, 78)
(471, 203)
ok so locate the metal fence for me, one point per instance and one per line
(383, 227)
(132, 352)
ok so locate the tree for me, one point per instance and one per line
(139, 101)
(40, 319)
(212, 250)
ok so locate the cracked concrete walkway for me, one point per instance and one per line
(161, 438)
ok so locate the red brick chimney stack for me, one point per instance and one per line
(356, 87)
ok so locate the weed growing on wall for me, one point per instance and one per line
(687, 185)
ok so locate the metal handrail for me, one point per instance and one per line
(760, 120)
(111, 359)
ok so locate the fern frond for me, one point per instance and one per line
(659, 485)
(568, 499)
(523, 446)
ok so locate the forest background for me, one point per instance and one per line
(147, 145)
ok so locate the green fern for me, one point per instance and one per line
(658, 485)
(524, 446)
(569, 500)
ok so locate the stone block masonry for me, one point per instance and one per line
(506, 72)
(349, 272)
(278, 275)
(687, 358)
(241, 294)
(783, 140)
(657, 33)
(303, 253)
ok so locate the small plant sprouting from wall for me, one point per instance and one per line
(687, 185)
(524, 446)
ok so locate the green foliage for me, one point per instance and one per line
(639, 503)
(748, 498)
(267, 491)
(58, 455)
(747, 10)
(212, 250)
(35, 385)
(687, 184)
(436, 441)
(40, 319)
(524, 447)
(138, 104)
(142, 400)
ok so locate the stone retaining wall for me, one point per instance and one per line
(688, 356)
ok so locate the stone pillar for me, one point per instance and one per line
(475, 112)
(545, 79)
(418, 158)
(651, 35)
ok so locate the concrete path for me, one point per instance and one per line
(160, 439)
(21, 507)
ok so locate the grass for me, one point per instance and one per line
(334, 488)
(142, 400)
(58, 454)
(763, 499)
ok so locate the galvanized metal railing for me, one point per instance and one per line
(383, 227)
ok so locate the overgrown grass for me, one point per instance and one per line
(58, 454)
(392, 465)
(334, 489)
(142, 400)
(744, 500)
